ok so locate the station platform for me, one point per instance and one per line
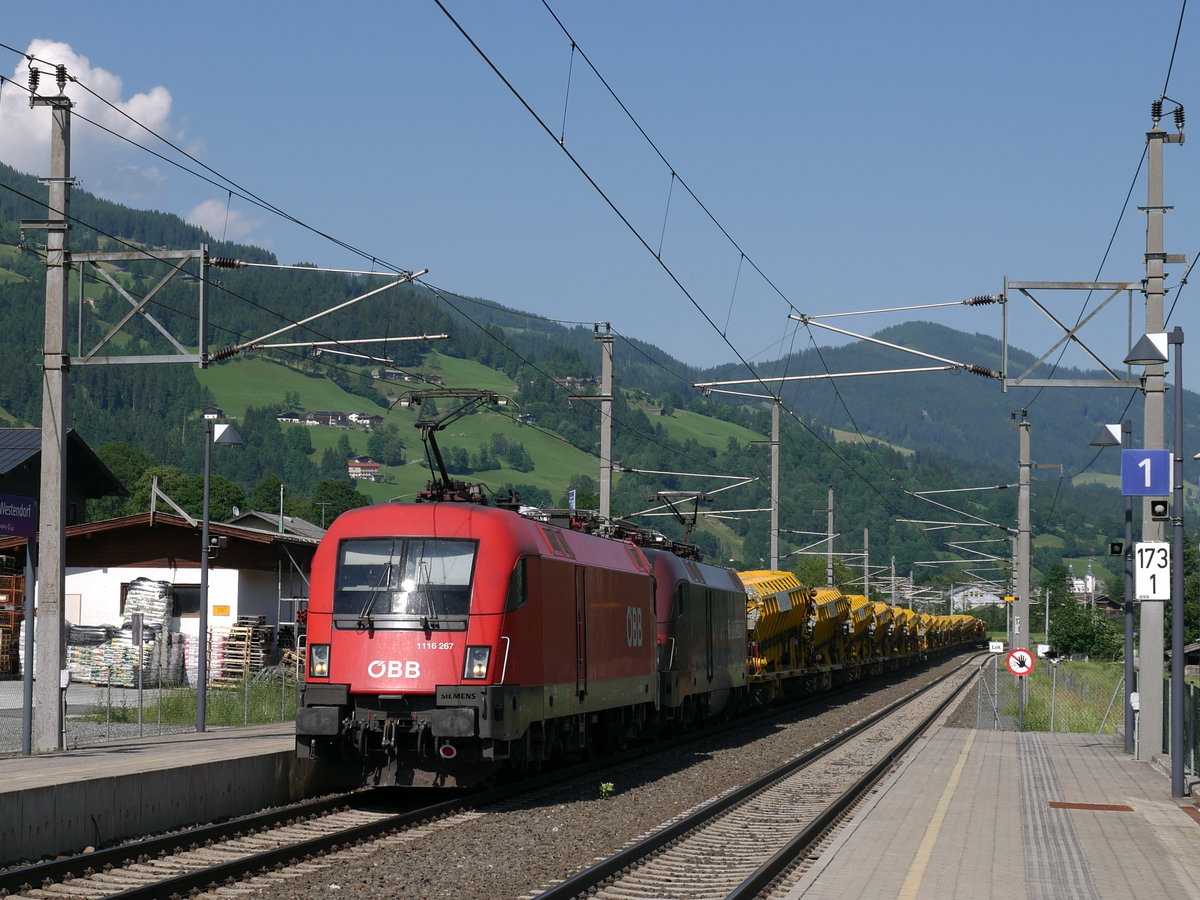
(63, 802)
(994, 814)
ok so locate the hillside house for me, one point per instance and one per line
(971, 596)
(327, 419)
(214, 412)
(364, 468)
(367, 420)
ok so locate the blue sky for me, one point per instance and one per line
(861, 155)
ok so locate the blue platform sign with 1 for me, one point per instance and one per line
(1146, 473)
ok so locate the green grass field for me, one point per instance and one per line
(246, 382)
(708, 432)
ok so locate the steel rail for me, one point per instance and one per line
(786, 855)
(43, 875)
(39, 874)
(593, 876)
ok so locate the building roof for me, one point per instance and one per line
(20, 466)
(265, 521)
(159, 539)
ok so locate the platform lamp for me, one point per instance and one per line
(1154, 349)
(1122, 436)
(213, 434)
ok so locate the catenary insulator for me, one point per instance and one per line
(984, 300)
(226, 262)
(34, 75)
(984, 371)
(224, 353)
(1156, 111)
(1179, 118)
(60, 75)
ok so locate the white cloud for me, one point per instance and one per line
(112, 168)
(223, 222)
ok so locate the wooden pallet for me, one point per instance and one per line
(245, 652)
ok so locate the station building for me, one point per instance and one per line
(258, 568)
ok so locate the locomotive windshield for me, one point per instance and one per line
(404, 583)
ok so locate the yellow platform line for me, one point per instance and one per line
(916, 871)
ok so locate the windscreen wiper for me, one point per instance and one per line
(429, 621)
(365, 617)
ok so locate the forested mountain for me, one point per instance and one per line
(928, 431)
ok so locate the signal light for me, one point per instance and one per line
(1160, 510)
(1116, 548)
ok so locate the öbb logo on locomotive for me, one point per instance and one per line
(450, 641)
(394, 668)
(634, 630)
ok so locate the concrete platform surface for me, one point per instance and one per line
(992, 814)
(63, 802)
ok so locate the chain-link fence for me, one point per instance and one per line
(1069, 696)
(121, 690)
(1191, 725)
(1078, 696)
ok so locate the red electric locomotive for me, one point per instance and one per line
(448, 640)
(701, 613)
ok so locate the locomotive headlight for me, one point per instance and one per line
(476, 665)
(319, 655)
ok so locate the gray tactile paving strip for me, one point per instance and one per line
(1055, 864)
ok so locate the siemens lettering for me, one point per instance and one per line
(394, 668)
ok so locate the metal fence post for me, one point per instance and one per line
(108, 708)
(1053, 693)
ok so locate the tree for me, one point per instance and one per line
(188, 492)
(457, 460)
(518, 458)
(335, 496)
(386, 445)
(670, 401)
(223, 496)
(127, 463)
(530, 495)
(333, 465)
(587, 494)
(1074, 629)
(171, 481)
(265, 496)
(1057, 581)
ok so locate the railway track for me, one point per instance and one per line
(292, 842)
(288, 840)
(209, 856)
(758, 836)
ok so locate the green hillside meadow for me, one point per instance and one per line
(242, 383)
